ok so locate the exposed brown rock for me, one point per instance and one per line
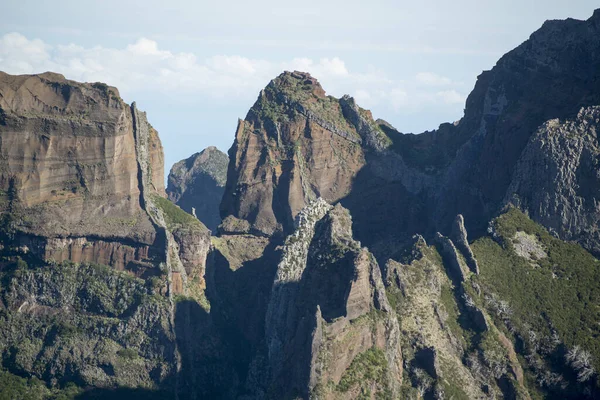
(69, 176)
(76, 174)
(118, 255)
(295, 145)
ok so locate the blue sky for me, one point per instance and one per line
(197, 66)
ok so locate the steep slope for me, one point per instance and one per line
(94, 257)
(451, 349)
(289, 303)
(552, 75)
(330, 332)
(197, 183)
(557, 178)
(295, 145)
(543, 294)
(69, 170)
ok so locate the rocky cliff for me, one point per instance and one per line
(197, 185)
(328, 314)
(353, 261)
(551, 75)
(528, 139)
(69, 170)
(557, 178)
(296, 144)
(93, 254)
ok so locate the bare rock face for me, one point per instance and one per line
(294, 146)
(69, 165)
(328, 313)
(197, 185)
(457, 268)
(82, 200)
(459, 237)
(557, 179)
(551, 75)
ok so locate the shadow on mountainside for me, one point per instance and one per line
(206, 363)
(125, 394)
(239, 299)
(385, 215)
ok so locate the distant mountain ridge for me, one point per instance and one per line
(198, 183)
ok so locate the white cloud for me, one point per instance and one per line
(399, 98)
(450, 97)
(334, 66)
(431, 79)
(145, 66)
(147, 47)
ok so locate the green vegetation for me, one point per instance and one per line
(367, 368)
(13, 387)
(288, 96)
(175, 216)
(129, 354)
(448, 300)
(560, 292)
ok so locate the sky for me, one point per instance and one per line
(196, 67)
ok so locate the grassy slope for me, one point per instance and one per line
(560, 292)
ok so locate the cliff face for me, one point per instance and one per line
(551, 75)
(94, 255)
(459, 335)
(197, 185)
(327, 310)
(69, 170)
(557, 178)
(295, 145)
(286, 302)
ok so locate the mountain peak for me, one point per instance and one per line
(298, 81)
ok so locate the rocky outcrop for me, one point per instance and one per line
(457, 269)
(286, 302)
(133, 257)
(294, 146)
(459, 237)
(557, 178)
(442, 358)
(526, 88)
(82, 181)
(197, 183)
(84, 184)
(76, 176)
(396, 184)
(329, 313)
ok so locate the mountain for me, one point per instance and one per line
(295, 145)
(197, 183)
(396, 185)
(93, 255)
(351, 260)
